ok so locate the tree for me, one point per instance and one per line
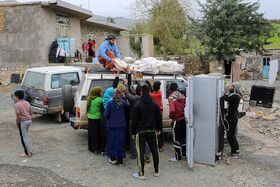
(165, 20)
(136, 46)
(229, 26)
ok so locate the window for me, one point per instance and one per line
(58, 80)
(105, 84)
(34, 80)
(266, 61)
(181, 87)
(90, 34)
(62, 26)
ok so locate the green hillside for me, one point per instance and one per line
(275, 39)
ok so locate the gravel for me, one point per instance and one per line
(61, 158)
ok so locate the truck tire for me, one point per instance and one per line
(67, 98)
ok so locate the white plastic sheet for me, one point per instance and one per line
(273, 70)
(154, 66)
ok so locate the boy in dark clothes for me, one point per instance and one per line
(232, 118)
(146, 125)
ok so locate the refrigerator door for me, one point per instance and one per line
(189, 117)
(205, 118)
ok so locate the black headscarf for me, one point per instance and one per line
(111, 37)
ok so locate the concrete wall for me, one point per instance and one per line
(48, 29)
(75, 30)
(147, 45)
(21, 31)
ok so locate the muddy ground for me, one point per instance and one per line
(61, 157)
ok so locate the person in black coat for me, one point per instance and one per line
(146, 125)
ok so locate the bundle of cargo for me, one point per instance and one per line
(154, 66)
(120, 64)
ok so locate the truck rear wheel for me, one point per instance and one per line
(67, 98)
(66, 116)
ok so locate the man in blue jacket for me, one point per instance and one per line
(108, 52)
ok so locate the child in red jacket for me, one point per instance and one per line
(177, 103)
(156, 95)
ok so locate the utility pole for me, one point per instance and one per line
(88, 5)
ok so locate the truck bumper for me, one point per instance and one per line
(39, 110)
(77, 124)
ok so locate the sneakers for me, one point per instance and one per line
(137, 176)
(238, 153)
(156, 174)
(234, 155)
(112, 161)
(173, 160)
(148, 160)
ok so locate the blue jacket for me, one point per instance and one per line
(105, 47)
(115, 117)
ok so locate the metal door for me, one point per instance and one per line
(266, 67)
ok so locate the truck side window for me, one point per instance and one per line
(104, 84)
(181, 87)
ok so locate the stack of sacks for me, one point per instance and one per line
(170, 66)
(147, 65)
(154, 66)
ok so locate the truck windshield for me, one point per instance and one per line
(34, 80)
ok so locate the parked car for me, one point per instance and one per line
(43, 86)
(105, 80)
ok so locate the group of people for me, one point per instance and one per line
(88, 48)
(130, 116)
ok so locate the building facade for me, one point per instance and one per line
(27, 31)
(253, 66)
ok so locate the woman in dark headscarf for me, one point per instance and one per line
(94, 114)
(116, 125)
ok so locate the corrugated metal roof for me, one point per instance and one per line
(102, 21)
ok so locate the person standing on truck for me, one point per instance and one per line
(156, 95)
(24, 113)
(108, 52)
(233, 100)
(116, 124)
(177, 102)
(94, 102)
(146, 125)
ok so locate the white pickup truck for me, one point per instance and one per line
(105, 80)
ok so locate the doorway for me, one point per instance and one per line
(266, 67)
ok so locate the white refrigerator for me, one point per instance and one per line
(204, 129)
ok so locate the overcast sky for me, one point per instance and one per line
(120, 8)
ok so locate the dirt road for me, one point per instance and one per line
(61, 158)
